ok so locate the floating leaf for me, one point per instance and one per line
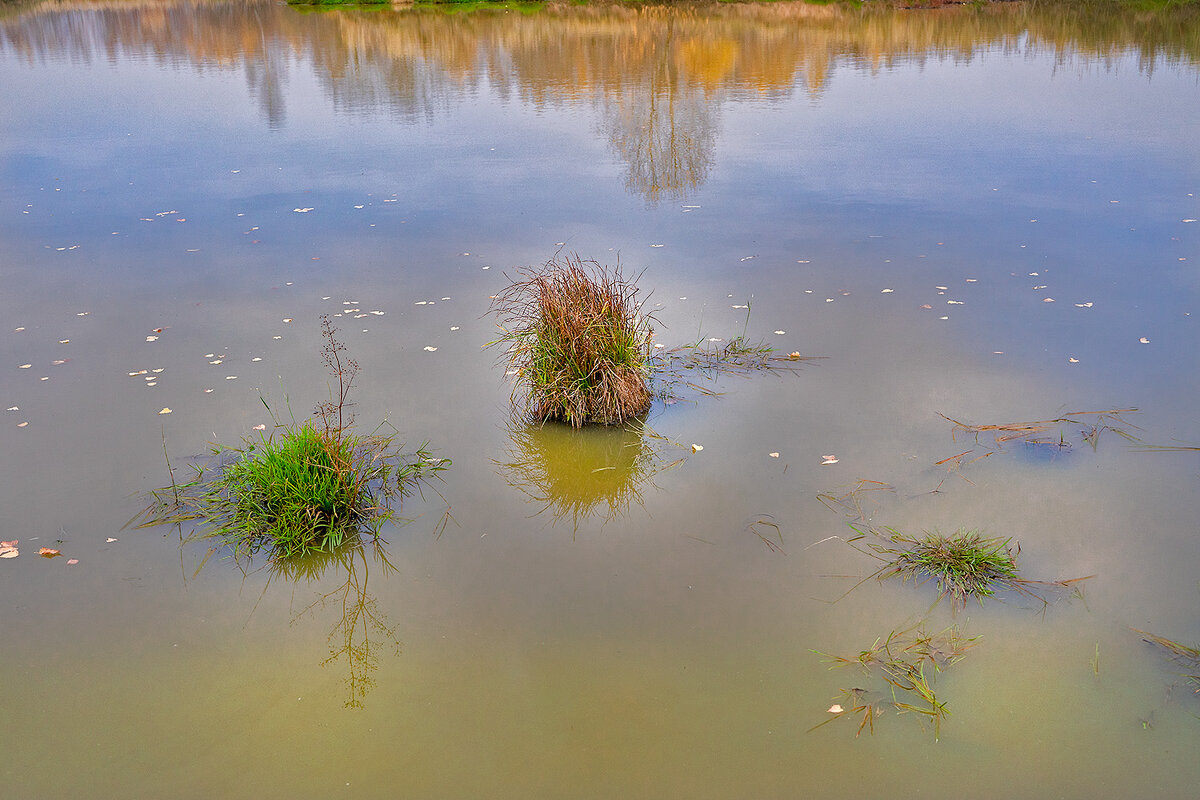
(696, 448)
(48, 552)
(165, 410)
(829, 459)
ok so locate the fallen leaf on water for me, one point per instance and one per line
(794, 355)
(773, 455)
(260, 427)
(22, 424)
(25, 366)
(165, 410)
(835, 709)
(48, 552)
(829, 459)
(696, 448)
(71, 561)
(9, 549)
(151, 338)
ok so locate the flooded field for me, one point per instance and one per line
(976, 218)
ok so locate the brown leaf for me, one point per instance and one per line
(48, 552)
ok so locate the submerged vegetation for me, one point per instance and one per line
(1090, 425)
(305, 488)
(577, 342)
(908, 661)
(1187, 658)
(965, 565)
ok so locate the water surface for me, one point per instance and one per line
(984, 214)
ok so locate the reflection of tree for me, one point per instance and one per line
(658, 75)
(361, 628)
(664, 128)
(595, 471)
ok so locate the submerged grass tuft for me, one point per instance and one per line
(908, 661)
(1187, 658)
(578, 343)
(305, 488)
(965, 565)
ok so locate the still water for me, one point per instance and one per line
(989, 215)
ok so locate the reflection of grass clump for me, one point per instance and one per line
(578, 342)
(579, 474)
(307, 488)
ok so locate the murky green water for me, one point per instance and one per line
(988, 215)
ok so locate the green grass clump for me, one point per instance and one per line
(306, 488)
(578, 343)
(309, 489)
(965, 564)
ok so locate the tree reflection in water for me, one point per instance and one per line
(658, 76)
